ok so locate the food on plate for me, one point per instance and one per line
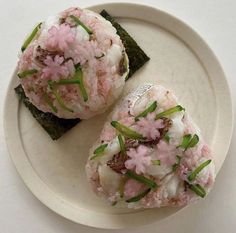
(73, 65)
(150, 153)
(54, 125)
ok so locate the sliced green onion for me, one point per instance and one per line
(31, 37)
(194, 141)
(79, 76)
(175, 166)
(122, 144)
(193, 175)
(58, 97)
(27, 73)
(156, 162)
(141, 179)
(139, 196)
(126, 131)
(149, 109)
(67, 81)
(189, 141)
(78, 22)
(185, 141)
(122, 186)
(198, 189)
(170, 111)
(49, 102)
(99, 151)
(166, 137)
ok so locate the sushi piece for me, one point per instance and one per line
(150, 153)
(73, 65)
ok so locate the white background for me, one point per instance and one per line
(21, 212)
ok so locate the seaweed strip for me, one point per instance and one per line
(56, 126)
(137, 57)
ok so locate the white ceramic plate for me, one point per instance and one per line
(180, 60)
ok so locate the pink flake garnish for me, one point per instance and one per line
(60, 38)
(166, 153)
(133, 188)
(54, 68)
(139, 159)
(149, 127)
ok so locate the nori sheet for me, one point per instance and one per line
(56, 126)
(137, 57)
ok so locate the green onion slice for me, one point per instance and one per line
(67, 81)
(141, 179)
(99, 151)
(185, 141)
(156, 162)
(27, 73)
(139, 196)
(198, 189)
(78, 22)
(189, 141)
(126, 131)
(49, 102)
(79, 77)
(194, 141)
(170, 111)
(175, 166)
(193, 175)
(122, 144)
(31, 37)
(58, 97)
(149, 109)
(166, 138)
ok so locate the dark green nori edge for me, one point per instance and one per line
(137, 57)
(56, 126)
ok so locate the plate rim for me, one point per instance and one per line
(61, 207)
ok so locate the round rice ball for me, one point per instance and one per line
(75, 66)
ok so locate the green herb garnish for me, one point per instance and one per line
(27, 73)
(185, 141)
(139, 196)
(193, 175)
(122, 144)
(78, 22)
(175, 166)
(170, 111)
(166, 138)
(99, 151)
(189, 141)
(49, 102)
(149, 109)
(67, 81)
(141, 179)
(198, 189)
(126, 131)
(31, 37)
(156, 162)
(122, 186)
(58, 97)
(79, 76)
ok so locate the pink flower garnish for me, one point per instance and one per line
(149, 127)
(60, 37)
(133, 188)
(139, 159)
(54, 68)
(166, 153)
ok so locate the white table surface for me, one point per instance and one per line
(21, 212)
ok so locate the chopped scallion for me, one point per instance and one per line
(27, 73)
(170, 111)
(139, 196)
(198, 189)
(99, 151)
(78, 22)
(149, 109)
(193, 175)
(156, 162)
(122, 144)
(126, 131)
